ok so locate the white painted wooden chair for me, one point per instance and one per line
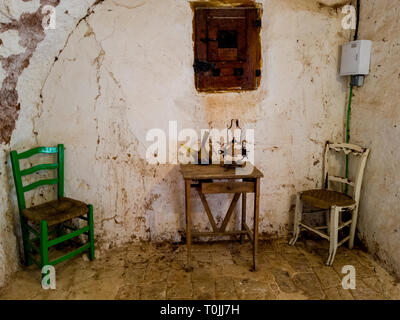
(333, 203)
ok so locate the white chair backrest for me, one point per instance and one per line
(347, 149)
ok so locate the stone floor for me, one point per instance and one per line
(221, 271)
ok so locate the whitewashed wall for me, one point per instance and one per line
(29, 87)
(376, 124)
(127, 68)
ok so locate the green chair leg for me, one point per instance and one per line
(91, 232)
(44, 248)
(25, 240)
(59, 233)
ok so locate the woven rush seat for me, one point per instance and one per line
(56, 211)
(324, 199)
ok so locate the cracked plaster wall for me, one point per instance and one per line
(376, 124)
(126, 68)
(26, 55)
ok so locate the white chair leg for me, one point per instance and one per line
(353, 227)
(333, 234)
(297, 219)
(328, 222)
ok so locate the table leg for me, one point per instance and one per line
(188, 225)
(256, 215)
(242, 236)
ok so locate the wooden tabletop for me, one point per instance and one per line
(216, 171)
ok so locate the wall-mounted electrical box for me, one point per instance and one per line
(356, 57)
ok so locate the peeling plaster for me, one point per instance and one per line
(132, 85)
(9, 43)
(13, 9)
(31, 32)
(122, 70)
(19, 83)
(375, 123)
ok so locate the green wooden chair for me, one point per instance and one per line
(39, 220)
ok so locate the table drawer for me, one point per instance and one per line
(227, 187)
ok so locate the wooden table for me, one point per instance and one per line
(206, 179)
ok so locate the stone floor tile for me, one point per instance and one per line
(221, 270)
(203, 274)
(338, 293)
(153, 291)
(284, 281)
(364, 292)
(248, 289)
(153, 274)
(388, 288)
(180, 291)
(309, 284)
(114, 257)
(104, 289)
(327, 276)
(48, 294)
(224, 289)
(204, 289)
(128, 292)
(179, 276)
(298, 262)
(134, 276)
(201, 256)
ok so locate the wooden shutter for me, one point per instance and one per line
(227, 49)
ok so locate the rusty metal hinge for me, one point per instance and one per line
(257, 23)
(202, 66)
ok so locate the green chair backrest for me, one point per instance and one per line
(18, 173)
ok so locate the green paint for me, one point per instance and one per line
(44, 248)
(68, 236)
(60, 172)
(32, 152)
(43, 235)
(348, 133)
(39, 168)
(39, 183)
(70, 254)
